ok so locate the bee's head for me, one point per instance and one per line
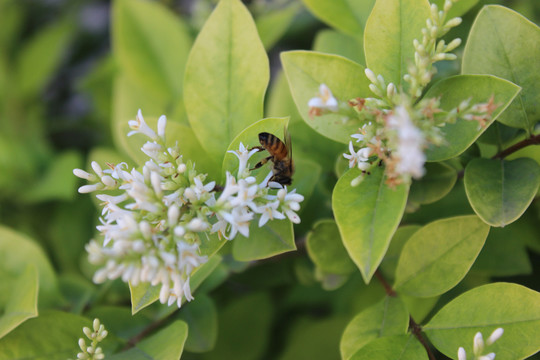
(263, 137)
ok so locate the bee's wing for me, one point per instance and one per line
(288, 144)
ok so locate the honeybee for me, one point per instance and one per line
(280, 155)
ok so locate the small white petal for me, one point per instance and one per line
(462, 355)
(495, 335)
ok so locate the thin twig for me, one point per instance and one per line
(417, 331)
(533, 140)
(146, 331)
(385, 284)
(415, 328)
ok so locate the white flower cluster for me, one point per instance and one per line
(396, 127)
(479, 346)
(92, 352)
(409, 152)
(151, 225)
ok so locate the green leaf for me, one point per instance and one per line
(388, 39)
(504, 253)
(226, 77)
(17, 252)
(307, 70)
(151, 45)
(434, 185)
(348, 16)
(499, 190)
(145, 294)
(513, 307)
(22, 303)
(333, 42)
(455, 89)
(201, 317)
(274, 238)
(439, 255)
(504, 43)
(58, 182)
(166, 344)
(400, 238)
(272, 25)
(458, 8)
(326, 250)
(397, 347)
(387, 317)
(40, 57)
(245, 321)
(367, 216)
(52, 335)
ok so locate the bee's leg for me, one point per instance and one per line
(261, 163)
(259, 148)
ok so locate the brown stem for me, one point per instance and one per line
(533, 140)
(145, 332)
(417, 331)
(385, 284)
(415, 328)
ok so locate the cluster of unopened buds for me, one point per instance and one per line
(479, 346)
(92, 351)
(395, 128)
(152, 224)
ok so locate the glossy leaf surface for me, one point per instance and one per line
(367, 216)
(499, 190)
(387, 317)
(513, 307)
(226, 77)
(439, 255)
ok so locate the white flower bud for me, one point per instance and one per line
(495, 335)
(82, 344)
(85, 189)
(462, 355)
(374, 89)
(84, 175)
(108, 181)
(453, 22)
(453, 44)
(197, 225)
(390, 90)
(478, 342)
(96, 324)
(447, 6)
(173, 214)
(182, 168)
(179, 231)
(490, 356)
(370, 75)
(97, 168)
(87, 332)
(155, 179)
(161, 125)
